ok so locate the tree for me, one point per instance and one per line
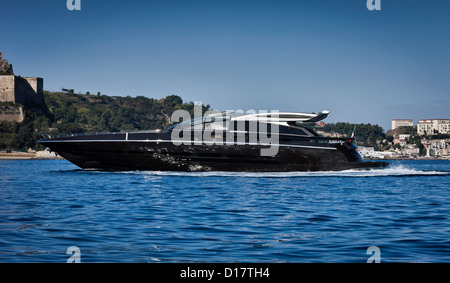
(24, 138)
(106, 116)
(173, 100)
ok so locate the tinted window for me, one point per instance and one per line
(298, 131)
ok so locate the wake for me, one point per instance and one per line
(398, 170)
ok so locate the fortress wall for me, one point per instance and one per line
(29, 90)
(7, 88)
(37, 84)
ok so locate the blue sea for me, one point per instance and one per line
(49, 208)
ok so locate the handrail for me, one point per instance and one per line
(99, 133)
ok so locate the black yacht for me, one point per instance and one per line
(264, 142)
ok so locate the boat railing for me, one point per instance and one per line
(97, 134)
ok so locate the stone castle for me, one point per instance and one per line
(17, 89)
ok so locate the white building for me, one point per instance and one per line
(433, 126)
(437, 148)
(401, 123)
(366, 151)
(411, 150)
(370, 153)
(404, 137)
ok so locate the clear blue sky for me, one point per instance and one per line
(298, 55)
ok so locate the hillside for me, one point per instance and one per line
(94, 113)
(366, 134)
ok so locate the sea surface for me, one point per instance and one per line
(51, 211)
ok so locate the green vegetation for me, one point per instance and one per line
(21, 136)
(366, 134)
(95, 113)
(7, 103)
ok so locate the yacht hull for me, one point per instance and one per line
(165, 156)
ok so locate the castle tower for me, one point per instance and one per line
(5, 68)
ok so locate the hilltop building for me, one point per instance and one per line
(17, 89)
(433, 126)
(401, 123)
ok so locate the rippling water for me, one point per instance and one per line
(47, 206)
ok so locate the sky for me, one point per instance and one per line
(287, 55)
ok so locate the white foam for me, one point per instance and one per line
(397, 170)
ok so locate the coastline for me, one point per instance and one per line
(408, 158)
(29, 155)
